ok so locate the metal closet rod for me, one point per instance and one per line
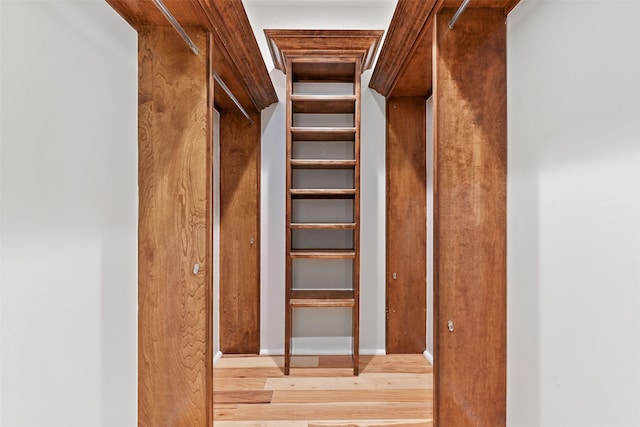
(456, 16)
(176, 25)
(224, 87)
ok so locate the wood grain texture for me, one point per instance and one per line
(321, 298)
(338, 396)
(239, 227)
(392, 363)
(329, 411)
(360, 65)
(403, 67)
(327, 423)
(174, 231)
(317, 70)
(231, 25)
(278, 423)
(322, 254)
(240, 397)
(406, 225)
(337, 104)
(288, 285)
(382, 398)
(505, 5)
(326, 134)
(406, 29)
(322, 226)
(361, 44)
(415, 78)
(322, 193)
(277, 372)
(373, 423)
(322, 164)
(139, 13)
(381, 381)
(470, 120)
(228, 73)
(227, 21)
(310, 49)
(235, 384)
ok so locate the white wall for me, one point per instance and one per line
(68, 168)
(573, 214)
(429, 163)
(216, 235)
(372, 324)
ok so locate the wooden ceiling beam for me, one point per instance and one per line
(144, 12)
(231, 24)
(406, 28)
(415, 77)
(239, 62)
(404, 64)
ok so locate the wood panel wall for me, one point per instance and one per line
(406, 225)
(239, 233)
(174, 299)
(470, 218)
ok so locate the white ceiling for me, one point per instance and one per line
(315, 3)
(316, 14)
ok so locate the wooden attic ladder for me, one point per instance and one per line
(323, 71)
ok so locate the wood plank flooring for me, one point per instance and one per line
(392, 390)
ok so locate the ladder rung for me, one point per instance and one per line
(322, 298)
(322, 254)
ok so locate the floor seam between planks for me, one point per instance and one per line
(392, 390)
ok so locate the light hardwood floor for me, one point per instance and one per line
(393, 390)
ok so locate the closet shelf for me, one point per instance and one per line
(327, 134)
(317, 193)
(322, 226)
(321, 298)
(322, 164)
(331, 71)
(334, 104)
(322, 254)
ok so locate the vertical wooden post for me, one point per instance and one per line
(470, 218)
(174, 237)
(239, 233)
(406, 275)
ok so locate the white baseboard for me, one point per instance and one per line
(373, 352)
(217, 357)
(428, 356)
